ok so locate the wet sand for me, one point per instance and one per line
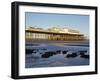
(58, 59)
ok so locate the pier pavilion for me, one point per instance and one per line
(58, 34)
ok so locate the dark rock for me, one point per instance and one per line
(64, 52)
(29, 51)
(71, 55)
(85, 56)
(48, 54)
(45, 56)
(83, 51)
(41, 53)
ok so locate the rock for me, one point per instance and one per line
(85, 56)
(48, 54)
(71, 55)
(29, 51)
(82, 52)
(41, 53)
(64, 52)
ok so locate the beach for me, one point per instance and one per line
(56, 53)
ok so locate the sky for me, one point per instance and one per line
(48, 20)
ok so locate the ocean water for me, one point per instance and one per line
(35, 59)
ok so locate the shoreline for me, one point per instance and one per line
(47, 41)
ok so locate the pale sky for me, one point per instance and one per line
(47, 20)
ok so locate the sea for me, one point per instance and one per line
(34, 59)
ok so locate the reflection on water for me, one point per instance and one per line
(58, 54)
